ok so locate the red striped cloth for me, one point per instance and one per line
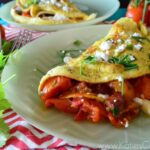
(24, 136)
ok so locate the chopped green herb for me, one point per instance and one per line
(125, 61)
(81, 68)
(77, 43)
(131, 66)
(90, 60)
(140, 39)
(149, 55)
(122, 87)
(115, 111)
(130, 47)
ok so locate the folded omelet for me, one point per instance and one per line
(109, 81)
(124, 51)
(48, 12)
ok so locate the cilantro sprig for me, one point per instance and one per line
(4, 104)
(125, 61)
(4, 130)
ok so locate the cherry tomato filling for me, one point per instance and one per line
(117, 108)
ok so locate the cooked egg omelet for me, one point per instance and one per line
(42, 12)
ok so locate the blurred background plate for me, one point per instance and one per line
(103, 8)
(21, 91)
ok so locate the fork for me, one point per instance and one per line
(23, 38)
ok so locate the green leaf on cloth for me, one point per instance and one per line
(4, 130)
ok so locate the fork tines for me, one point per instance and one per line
(23, 38)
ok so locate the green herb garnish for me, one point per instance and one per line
(130, 47)
(149, 55)
(115, 111)
(90, 60)
(4, 104)
(140, 39)
(81, 68)
(125, 61)
(122, 86)
(77, 43)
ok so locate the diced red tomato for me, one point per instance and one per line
(92, 109)
(26, 14)
(54, 86)
(63, 105)
(143, 87)
(116, 122)
(116, 101)
(81, 115)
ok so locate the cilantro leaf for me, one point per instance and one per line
(125, 61)
(4, 132)
(90, 60)
(129, 47)
(140, 39)
(77, 43)
(149, 55)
